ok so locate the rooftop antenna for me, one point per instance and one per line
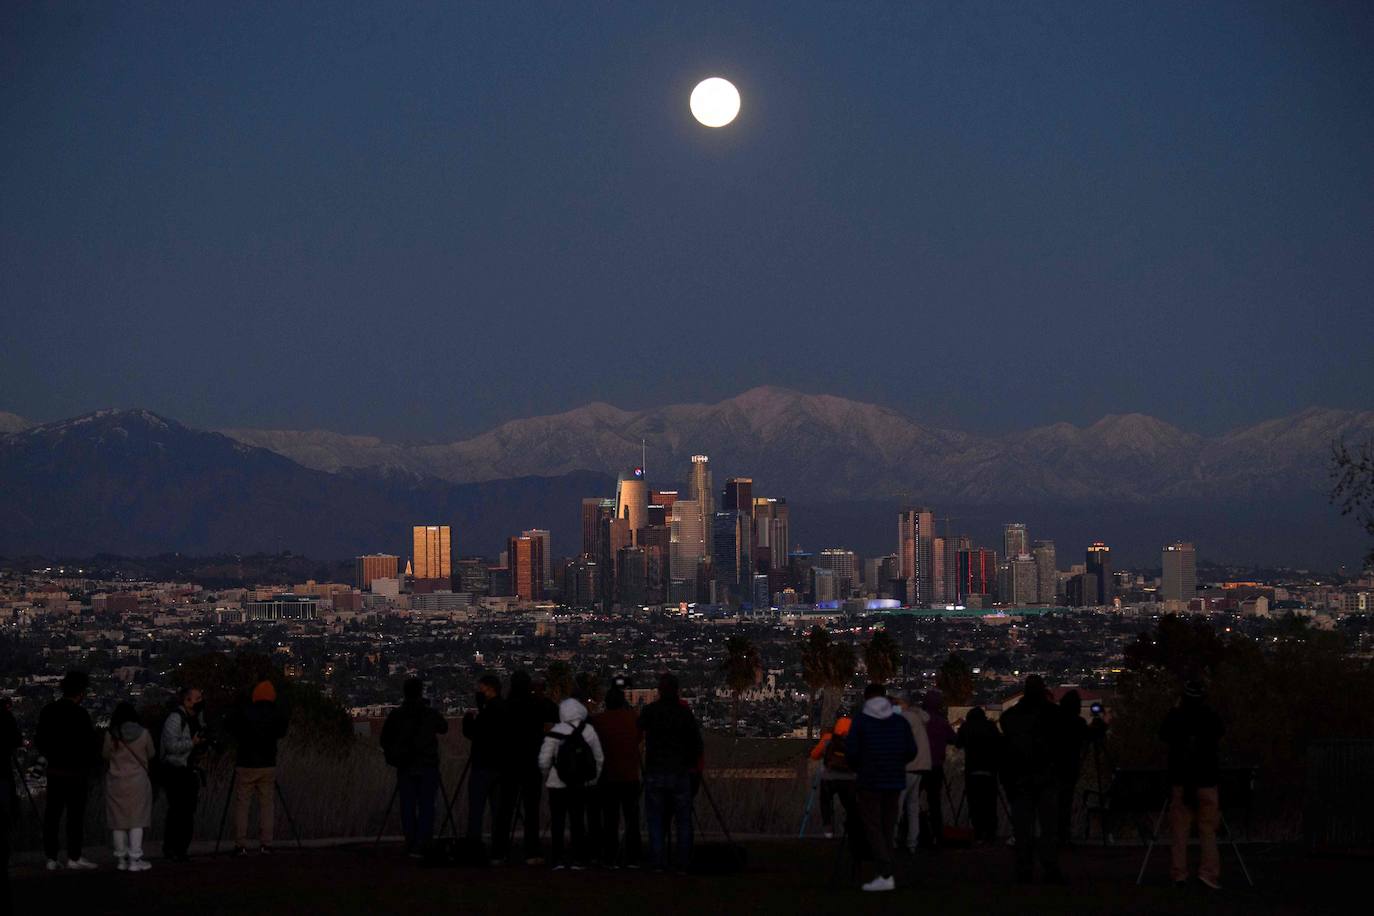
(644, 458)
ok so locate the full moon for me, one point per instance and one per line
(715, 102)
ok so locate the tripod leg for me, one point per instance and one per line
(1154, 838)
(810, 799)
(23, 780)
(289, 819)
(706, 788)
(1231, 838)
(224, 815)
(387, 816)
(453, 800)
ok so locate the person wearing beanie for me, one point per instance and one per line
(256, 728)
(1192, 730)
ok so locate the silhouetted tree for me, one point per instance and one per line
(815, 661)
(1352, 475)
(882, 657)
(558, 681)
(955, 680)
(741, 667)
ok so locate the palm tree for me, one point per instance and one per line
(741, 667)
(816, 662)
(842, 667)
(882, 657)
(955, 680)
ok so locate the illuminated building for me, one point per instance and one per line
(432, 556)
(374, 566)
(1099, 565)
(1180, 573)
(916, 548)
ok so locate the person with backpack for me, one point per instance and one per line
(879, 747)
(916, 770)
(183, 736)
(68, 740)
(484, 726)
(836, 778)
(410, 743)
(128, 751)
(672, 752)
(256, 727)
(617, 728)
(1193, 730)
(571, 757)
(1030, 730)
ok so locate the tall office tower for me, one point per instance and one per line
(581, 582)
(731, 560)
(632, 501)
(1024, 587)
(844, 563)
(1014, 541)
(1100, 565)
(771, 533)
(595, 510)
(916, 547)
(687, 540)
(374, 566)
(738, 495)
(433, 552)
(525, 559)
(701, 489)
(1180, 573)
(664, 498)
(1046, 573)
(799, 566)
(473, 575)
(542, 536)
(656, 541)
(977, 572)
(825, 585)
(946, 555)
(632, 576)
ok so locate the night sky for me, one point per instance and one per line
(421, 220)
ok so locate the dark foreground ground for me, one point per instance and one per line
(784, 877)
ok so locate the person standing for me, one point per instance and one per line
(982, 746)
(128, 750)
(941, 733)
(1030, 730)
(617, 728)
(483, 726)
(572, 759)
(672, 748)
(836, 779)
(1192, 730)
(182, 738)
(410, 743)
(916, 770)
(68, 740)
(879, 747)
(11, 739)
(257, 728)
(1068, 765)
(519, 782)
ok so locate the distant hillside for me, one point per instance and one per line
(12, 423)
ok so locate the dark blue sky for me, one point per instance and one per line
(420, 220)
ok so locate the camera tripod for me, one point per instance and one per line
(23, 781)
(449, 801)
(229, 796)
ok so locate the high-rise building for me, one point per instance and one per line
(946, 556)
(433, 552)
(581, 582)
(632, 576)
(687, 540)
(1100, 565)
(738, 496)
(916, 547)
(1014, 541)
(595, 511)
(632, 501)
(731, 561)
(525, 559)
(1024, 588)
(1180, 573)
(701, 489)
(542, 535)
(374, 566)
(844, 563)
(1046, 572)
(977, 572)
(771, 535)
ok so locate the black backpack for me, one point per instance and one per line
(575, 763)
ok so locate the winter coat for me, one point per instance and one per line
(1030, 730)
(178, 733)
(410, 736)
(879, 746)
(919, 719)
(618, 732)
(257, 729)
(937, 726)
(570, 715)
(982, 744)
(128, 787)
(66, 737)
(1192, 731)
(672, 740)
(485, 729)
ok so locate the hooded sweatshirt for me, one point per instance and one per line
(571, 714)
(937, 726)
(879, 746)
(918, 719)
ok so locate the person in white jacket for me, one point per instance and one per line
(910, 802)
(568, 791)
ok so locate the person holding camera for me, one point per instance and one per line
(410, 743)
(1068, 767)
(484, 726)
(183, 740)
(68, 740)
(256, 728)
(1192, 730)
(128, 751)
(672, 750)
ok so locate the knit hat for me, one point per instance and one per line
(264, 691)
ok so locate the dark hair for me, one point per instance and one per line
(615, 698)
(668, 686)
(75, 683)
(874, 690)
(123, 713)
(1035, 689)
(492, 681)
(413, 688)
(1072, 702)
(976, 714)
(183, 692)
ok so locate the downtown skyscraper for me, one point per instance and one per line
(1179, 582)
(432, 557)
(916, 549)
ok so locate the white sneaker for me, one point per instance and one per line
(81, 864)
(121, 863)
(53, 865)
(880, 884)
(140, 865)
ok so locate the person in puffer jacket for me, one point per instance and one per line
(879, 746)
(568, 802)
